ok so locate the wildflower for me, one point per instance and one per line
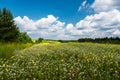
(62, 60)
(71, 74)
(76, 69)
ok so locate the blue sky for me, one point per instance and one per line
(67, 10)
(66, 19)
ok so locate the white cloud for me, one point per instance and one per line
(25, 23)
(105, 5)
(103, 24)
(45, 22)
(48, 27)
(70, 26)
(72, 30)
(83, 5)
(116, 32)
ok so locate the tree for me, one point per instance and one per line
(8, 30)
(39, 40)
(24, 38)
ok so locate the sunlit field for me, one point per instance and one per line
(60, 61)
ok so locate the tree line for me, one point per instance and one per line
(111, 40)
(115, 40)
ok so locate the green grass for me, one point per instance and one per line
(50, 41)
(63, 61)
(7, 49)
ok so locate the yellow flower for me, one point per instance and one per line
(62, 60)
(57, 69)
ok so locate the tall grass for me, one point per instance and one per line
(7, 49)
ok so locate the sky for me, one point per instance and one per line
(66, 19)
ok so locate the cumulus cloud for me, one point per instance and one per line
(45, 27)
(98, 25)
(101, 25)
(25, 23)
(105, 5)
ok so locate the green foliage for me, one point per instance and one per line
(111, 40)
(64, 61)
(24, 38)
(8, 30)
(39, 40)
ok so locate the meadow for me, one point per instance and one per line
(59, 61)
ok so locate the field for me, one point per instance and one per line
(60, 61)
